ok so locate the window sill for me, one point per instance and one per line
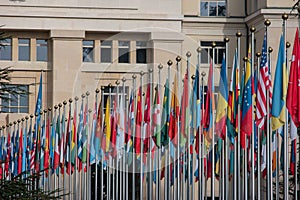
(114, 67)
(25, 65)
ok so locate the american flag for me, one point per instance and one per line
(263, 86)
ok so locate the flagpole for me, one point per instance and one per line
(126, 153)
(288, 45)
(269, 140)
(245, 59)
(133, 137)
(252, 30)
(142, 137)
(226, 170)
(117, 159)
(178, 59)
(75, 149)
(96, 153)
(124, 172)
(88, 171)
(150, 179)
(70, 139)
(200, 179)
(286, 167)
(202, 145)
(109, 157)
(193, 77)
(160, 67)
(258, 54)
(63, 136)
(103, 152)
(167, 150)
(213, 45)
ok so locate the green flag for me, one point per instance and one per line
(165, 116)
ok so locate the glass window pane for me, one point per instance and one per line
(204, 55)
(88, 53)
(5, 103)
(141, 56)
(213, 9)
(24, 49)
(220, 55)
(204, 8)
(16, 101)
(24, 110)
(123, 51)
(106, 51)
(222, 8)
(41, 50)
(5, 49)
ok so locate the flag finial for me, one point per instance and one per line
(285, 16)
(160, 66)
(226, 39)
(170, 62)
(238, 34)
(270, 49)
(258, 54)
(288, 45)
(199, 49)
(267, 22)
(252, 29)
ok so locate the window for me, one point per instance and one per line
(17, 102)
(213, 8)
(5, 49)
(124, 51)
(88, 53)
(113, 94)
(141, 52)
(206, 53)
(41, 50)
(106, 49)
(24, 49)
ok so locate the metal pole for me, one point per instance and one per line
(142, 138)
(258, 54)
(226, 182)
(167, 150)
(213, 45)
(269, 139)
(124, 172)
(70, 140)
(252, 30)
(150, 192)
(200, 179)
(117, 157)
(133, 138)
(88, 174)
(160, 67)
(286, 167)
(239, 35)
(103, 152)
(202, 147)
(75, 146)
(109, 159)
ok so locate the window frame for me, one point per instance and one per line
(206, 46)
(86, 57)
(27, 45)
(143, 47)
(17, 98)
(4, 43)
(209, 2)
(123, 55)
(106, 47)
(42, 45)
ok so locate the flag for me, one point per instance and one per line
(280, 89)
(24, 149)
(293, 91)
(138, 122)
(156, 119)
(232, 100)
(47, 147)
(92, 138)
(293, 157)
(20, 151)
(62, 142)
(222, 101)
(85, 134)
(262, 86)
(147, 126)
(107, 125)
(68, 145)
(73, 140)
(209, 103)
(114, 127)
(121, 127)
(174, 114)
(184, 124)
(57, 138)
(246, 123)
(79, 136)
(165, 115)
(99, 132)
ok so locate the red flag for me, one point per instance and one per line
(174, 115)
(137, 144)
(147, 121)
(114, 121)
(293, 92)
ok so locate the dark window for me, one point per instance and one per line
(207, 53)
(5, 49)
(41, 50)
(17, 102)
(106, 49)
(88, 51)
(213, 8)
(24, 49)
(113, 94)
(124, 51)
(141, 52)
